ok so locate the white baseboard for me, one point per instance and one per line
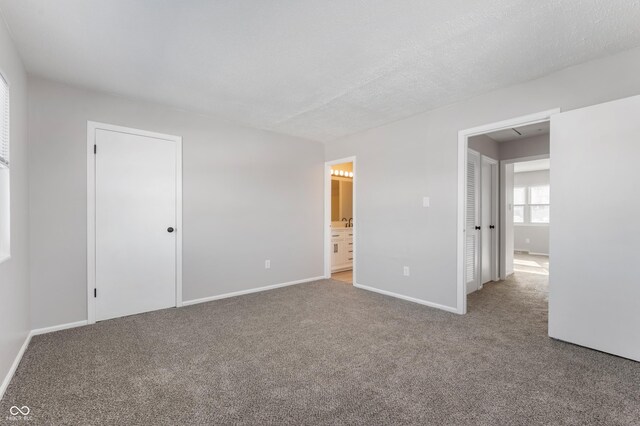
(53, 328)
(14, 366)
(533, 253)
(27, 340)
(408, 298)
(251, 290)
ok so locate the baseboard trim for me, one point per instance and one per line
(14, 366)
(408, 298)
(27, 340)
(533, 253)
(59, 327)
(249, 291)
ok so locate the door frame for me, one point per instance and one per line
(463, 137)
(327, 214)
(92, 127)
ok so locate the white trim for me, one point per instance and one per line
(249, 291)
(25, 344)
(178, 140)
(525, 159)
(463, 136)
(59, 327)
(408, 298)
(92, 126)
(327, 214)
(14, 366)
(533, 253)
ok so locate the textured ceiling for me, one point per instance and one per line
(317, 69)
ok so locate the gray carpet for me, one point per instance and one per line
(327, 353)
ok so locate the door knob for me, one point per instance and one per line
(169, 229)
(478, 228)
(491, 227)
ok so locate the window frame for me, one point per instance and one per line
(530, 205)
(527, 207)
(524, 206)
(5, 175)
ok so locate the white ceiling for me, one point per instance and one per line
(318, 69)
(522, 132)
(532, 166)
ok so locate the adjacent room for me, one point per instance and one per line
(531, 216)
(295, 212)
(342, 222)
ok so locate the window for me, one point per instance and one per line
(519, 201)
(531, 204)
(4, 169)
(4, 123)
(539, 204)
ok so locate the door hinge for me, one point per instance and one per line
(95, 292)
(95, 149)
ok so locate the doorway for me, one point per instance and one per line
(134, 219)
(340, 220)
(472, 218)
(527, 212)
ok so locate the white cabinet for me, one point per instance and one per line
(341, 249)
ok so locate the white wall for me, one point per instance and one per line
(249, 195)
(526, 147)
(485, 146)
(537, 234)
(519, 148)
(506, 221)
(401, 162)
(14, 273)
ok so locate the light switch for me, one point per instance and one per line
(426, 202)
(406, 271)
(267, 264)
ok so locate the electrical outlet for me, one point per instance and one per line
(406, 271)
(267, 264)
(426, 202)
(527, 240)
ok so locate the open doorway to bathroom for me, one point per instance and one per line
(340, 220)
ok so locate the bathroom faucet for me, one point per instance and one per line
(346, 225)
(350, 223)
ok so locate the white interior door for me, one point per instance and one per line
(489, 219)
(594, 289)
(136, 203)
(472, 224)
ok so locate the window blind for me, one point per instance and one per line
(4, 122)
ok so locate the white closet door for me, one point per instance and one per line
(472, 225)
(594, 288)
(135, 207)
(489, 220)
